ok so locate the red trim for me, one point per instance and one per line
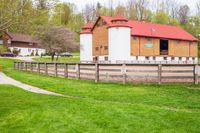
(119, 25)
(85, 32)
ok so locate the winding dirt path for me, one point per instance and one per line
(7, 80)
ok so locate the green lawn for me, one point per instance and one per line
(75, 58)
(60, 59)
(102, 107)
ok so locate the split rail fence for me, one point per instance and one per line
(124, 73)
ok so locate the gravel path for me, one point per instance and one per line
(7, 80)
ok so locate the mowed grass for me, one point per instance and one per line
(60, 59)
(75, 58)
(102, 107)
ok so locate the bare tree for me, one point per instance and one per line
(131, 9)
(120, 10)
(174, 8)
(198, 8)
(183, 14)
(57, 40)
(9, 9)
(141, 8)
(111, 10)
(89, 12)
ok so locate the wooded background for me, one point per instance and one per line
(25, 16)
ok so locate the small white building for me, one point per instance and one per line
(25, 45)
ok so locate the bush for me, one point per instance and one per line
(36, 54)
(15, 51)
(3, 49)
(32, 53)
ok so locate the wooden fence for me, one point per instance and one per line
(125, 73)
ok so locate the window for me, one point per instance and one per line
(178, 41)
(147, 58)
(134, 38)
(9, 41)
(29, 50)
(105, 47)
(180, 58)
(165, 58)
(1, 41)
(106, 58)
(173, 58)
(187, 58)
(97, 48)
(154, 58)
(193, 58)
(149, 39)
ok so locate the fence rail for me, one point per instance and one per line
(125, 73)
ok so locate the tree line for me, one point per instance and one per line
(27, 16)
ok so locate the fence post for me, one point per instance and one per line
(56, 69)
(31, 67)
(46, 68)
(66, 70)
(77, 71)
(21, 65)
(159, 73)
(196, 76)
(124, 73)
(26, 66)
(14, 65)
(17, 65)
(96, 72)
(38, 67)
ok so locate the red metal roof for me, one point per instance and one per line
(146, 29)
(160, 31)
(87, 29)
(88, 26)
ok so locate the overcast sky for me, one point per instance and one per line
(80, 3)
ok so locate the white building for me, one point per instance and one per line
(25, 45)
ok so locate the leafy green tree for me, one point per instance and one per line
(62, 14)
(9, 11)
(161, 18)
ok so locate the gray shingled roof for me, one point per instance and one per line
(18, 37)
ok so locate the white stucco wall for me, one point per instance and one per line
(119, 44)
(86, 47)
(28, 51)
